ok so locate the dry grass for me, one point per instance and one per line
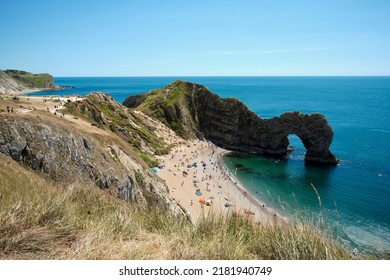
(39, 220)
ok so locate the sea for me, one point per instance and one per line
(351, 200)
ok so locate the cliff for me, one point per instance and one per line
(192, 111)
(68, 155)
(16, 81)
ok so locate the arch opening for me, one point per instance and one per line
(296, 148)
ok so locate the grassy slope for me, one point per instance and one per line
(167, 98)
(42, 221)
(118, 122)
(31, 80)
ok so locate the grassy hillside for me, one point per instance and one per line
(31, 80)
(171, 106)
(142, 135)
(40, 220)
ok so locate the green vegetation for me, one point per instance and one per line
(31, 80)
(163, 97)
(162, 151)
(72, 109)
(105, 113)
(40, 220)
(169, 105)
(113, 128)
(175, 92)
(151, 162)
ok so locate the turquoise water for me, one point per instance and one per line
(355, 195)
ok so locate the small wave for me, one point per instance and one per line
(374, 236)
(380, 130)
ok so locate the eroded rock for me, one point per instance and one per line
(68, 156)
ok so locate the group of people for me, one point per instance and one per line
(10, 110)
(202, 174)
(199, 173)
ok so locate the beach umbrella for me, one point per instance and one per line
(201, 200)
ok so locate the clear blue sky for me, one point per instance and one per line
(199, 38)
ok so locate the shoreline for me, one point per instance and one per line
(211, 182)
(259, 203)
(23, 92)
(28, 91)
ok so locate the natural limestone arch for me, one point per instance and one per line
(193, 111)
(314, 132)
(229, 123)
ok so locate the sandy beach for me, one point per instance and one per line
(199, 181)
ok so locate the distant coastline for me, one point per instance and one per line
(18, 82)
(38, 90)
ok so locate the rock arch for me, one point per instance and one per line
(229, 123)
(193, 111)
(314, 132)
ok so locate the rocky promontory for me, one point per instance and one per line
(17, 81)
(193, 111)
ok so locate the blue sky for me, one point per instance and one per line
(196, 38)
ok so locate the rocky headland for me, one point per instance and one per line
(17, 82)
(193, 111)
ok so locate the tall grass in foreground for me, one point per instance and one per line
(42, 221)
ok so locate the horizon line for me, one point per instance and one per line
(223, 76)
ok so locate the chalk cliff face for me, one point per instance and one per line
(67, 155)
(9, 85)
(193, 111)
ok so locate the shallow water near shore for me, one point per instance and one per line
(355, 195)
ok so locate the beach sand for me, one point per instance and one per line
(214, 182)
